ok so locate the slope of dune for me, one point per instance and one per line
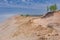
(18, 27)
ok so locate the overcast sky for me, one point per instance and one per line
(9, 8)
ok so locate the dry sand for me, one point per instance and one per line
(31, 28)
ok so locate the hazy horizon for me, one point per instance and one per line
(9, 8)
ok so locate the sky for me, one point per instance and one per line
(9, 8)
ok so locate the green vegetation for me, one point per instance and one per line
(52, 8)
(22, 15)
(26, 15)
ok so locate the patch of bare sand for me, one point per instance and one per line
(31, 28)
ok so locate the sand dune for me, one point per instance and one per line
(31, 28)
